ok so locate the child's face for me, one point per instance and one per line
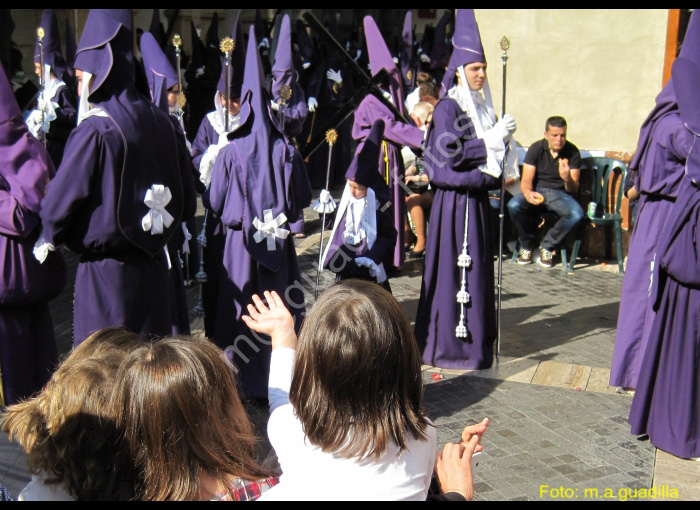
(357, 190)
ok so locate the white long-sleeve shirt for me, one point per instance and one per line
(308, 473)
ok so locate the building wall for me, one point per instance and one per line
(600, 69)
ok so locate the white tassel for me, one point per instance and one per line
(464, 261)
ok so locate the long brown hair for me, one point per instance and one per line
(178, 405)
(68, 430)
(357, 377)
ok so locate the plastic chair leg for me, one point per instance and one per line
(618, 243)
(574, 254)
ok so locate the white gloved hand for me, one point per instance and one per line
(306, 65)
(312, 104)
(264, 43)
(424, 58)
(324, 203)
(334, 75)
(206, 164)
(42, 248)
(223, 140)
(396, 60)
(358, 54)
(274, 105)
(510, 123)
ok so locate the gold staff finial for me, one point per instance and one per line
(40, 33)
(227, 45)
(181, 100)
(505, 43)
(331, 136)
(285, 92)
(177, 41)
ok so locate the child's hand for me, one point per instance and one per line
(272, 319)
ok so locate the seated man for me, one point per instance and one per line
(550, 175)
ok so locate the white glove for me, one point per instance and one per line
(306, 65)
(42, 248)
(510, 124)
(494, 137)
(425, 58)
(274, 105)
(199, 72)
(334, 75)
(358, 54)
(40, 121)
(325, 203)
(265, 43)
(312, 104)
(396, 60)
(206, 164)
(376, 271)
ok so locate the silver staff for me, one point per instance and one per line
(505, 44)
(331, 138)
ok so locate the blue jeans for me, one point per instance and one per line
(524, 215)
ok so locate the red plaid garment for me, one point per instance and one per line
(247, 490)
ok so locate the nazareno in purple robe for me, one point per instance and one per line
(61, 127)
(659, 164)
(453, 168)
(339, 254)
(161, 76)
(97, 203)
(208, 135)
(658, 177)
(396, 133)
(257, 177)
(666, 403)
(28, 352)
(295, 110)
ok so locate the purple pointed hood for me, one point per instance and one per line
(51, 44)
(237, 63)
(71, 48)
(159, 71)
(363, 168)
(686, 76)
(283, 72)
(25, 166)
(306, 48)
(380, 57)
(156, 27)
(106, 51)
(467, 47)
(407, 56)
(440, 52)
(666, 100)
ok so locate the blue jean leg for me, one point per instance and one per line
(570, 215)
(524, 215)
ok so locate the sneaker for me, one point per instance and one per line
(525, 257)
(545, 258)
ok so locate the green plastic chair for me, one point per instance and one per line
(605, 174)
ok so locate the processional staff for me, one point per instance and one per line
(42, 82)
(285, 93)
(325, 203)
(505, 44)
(227, 45)
(181, 99)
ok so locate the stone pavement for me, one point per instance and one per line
(557, 431)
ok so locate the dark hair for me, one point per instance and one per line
(357, 372)
(68, 430)
(178, 405)
(555, 121)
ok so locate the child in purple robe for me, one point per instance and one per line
(363, 236)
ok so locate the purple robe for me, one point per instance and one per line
(396, 134)
(28, 352)
(117, 283)
(213, 251)
(666, 403)
(453, 168)
(659, 174)
(61, 127)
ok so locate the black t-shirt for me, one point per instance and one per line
(547, 167)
